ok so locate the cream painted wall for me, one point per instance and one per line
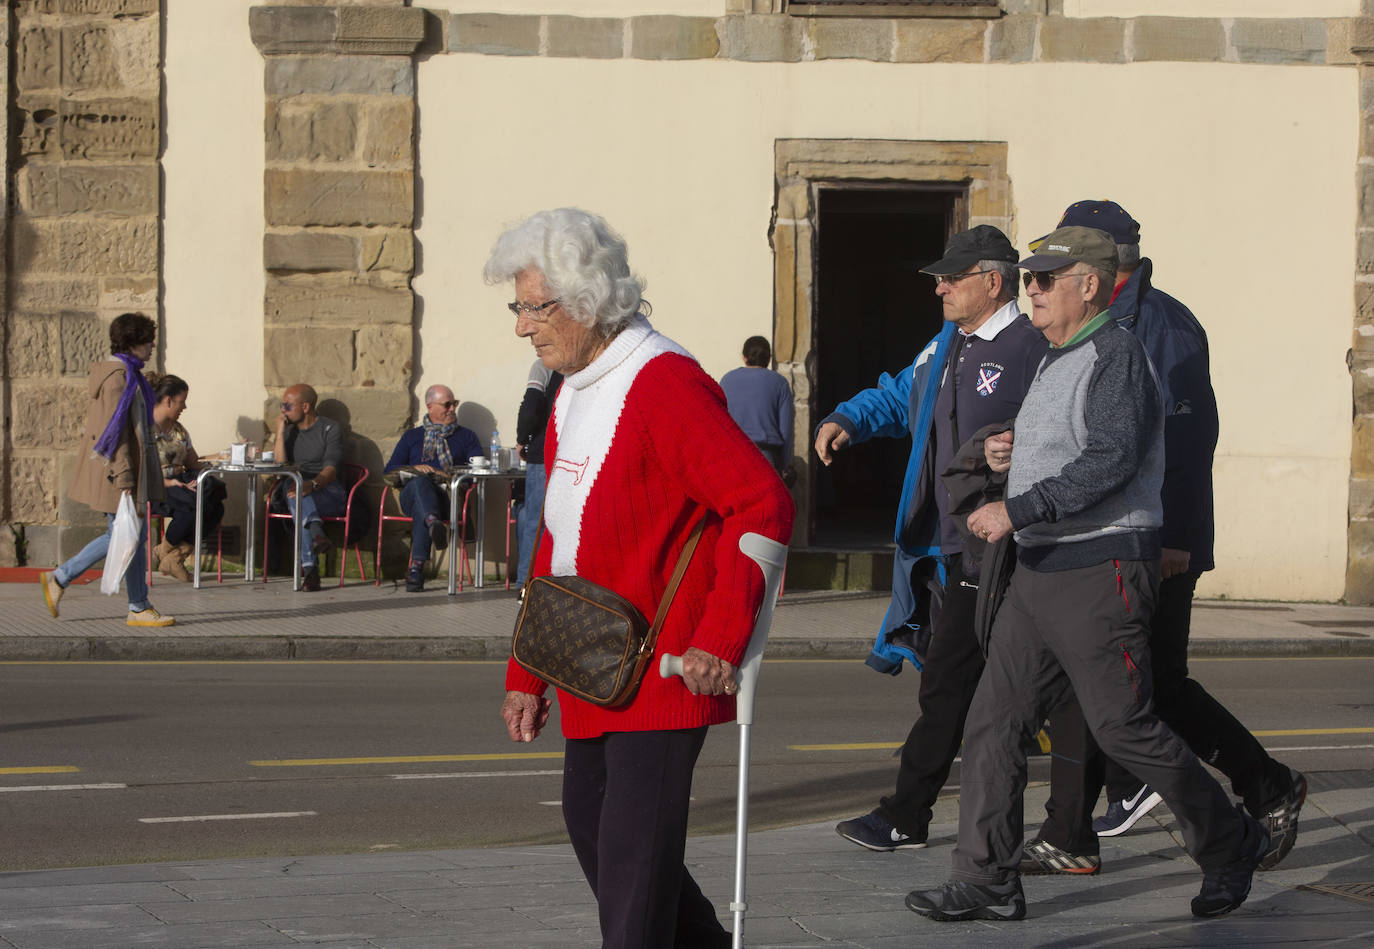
(1224, 160)
(212, 256)
(588, 7)
(1218, 8)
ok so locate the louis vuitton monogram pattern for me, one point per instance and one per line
(583, 639)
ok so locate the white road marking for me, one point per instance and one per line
(474, 774)
(65, 787)
(205, 817)
(552, 803)
(1323, 748)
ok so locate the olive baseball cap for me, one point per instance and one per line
(966, 248)
(1067, 245)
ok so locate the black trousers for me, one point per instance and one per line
(180, 505)
(625, 802)
(954, 664)
(1210, 731)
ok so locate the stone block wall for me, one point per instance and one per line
(339, 196)
(84, 232)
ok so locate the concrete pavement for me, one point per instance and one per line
(806, 888)
(238, 620)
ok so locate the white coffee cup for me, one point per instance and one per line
(269, 456)
(478, 461)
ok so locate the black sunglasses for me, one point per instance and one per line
(448, 405)
(1045, 279)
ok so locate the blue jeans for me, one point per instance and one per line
(135, 578)
(527, 520)
(420, 498)
(328, 501)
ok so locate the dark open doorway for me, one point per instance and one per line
(875, 310)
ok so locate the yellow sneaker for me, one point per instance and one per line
(149, 617)
(52, 591)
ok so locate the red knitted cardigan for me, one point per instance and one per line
(640, 443)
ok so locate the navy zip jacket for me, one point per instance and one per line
(1177, 346)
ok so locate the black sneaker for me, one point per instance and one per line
(958, 900)
(415, 579)
(1282, 823)
(1121, 816)
(310, 580)
(873, 832)
(1041, 856)
(1226, 887)
(438, 536)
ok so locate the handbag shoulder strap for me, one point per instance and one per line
(682, 561)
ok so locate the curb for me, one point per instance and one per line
(497, 648)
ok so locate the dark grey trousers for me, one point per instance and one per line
(1086, 630)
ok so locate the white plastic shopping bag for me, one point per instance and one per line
(124, 538)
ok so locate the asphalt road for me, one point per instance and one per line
(111, 763)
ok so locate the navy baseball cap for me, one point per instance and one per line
(966, 248)
(1104, 216)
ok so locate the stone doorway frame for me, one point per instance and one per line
(801, 167)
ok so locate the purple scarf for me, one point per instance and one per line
(133, 379)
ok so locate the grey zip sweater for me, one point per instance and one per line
(1088, 459)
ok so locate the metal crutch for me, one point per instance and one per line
(771, 557)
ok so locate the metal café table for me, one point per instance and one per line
(252, 470)
(479, 478)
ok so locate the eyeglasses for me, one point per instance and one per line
(448, 405)
(533, 311)
(1045, 279)
(956, 277)
(287, 406)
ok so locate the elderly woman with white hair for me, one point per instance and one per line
(640, 447)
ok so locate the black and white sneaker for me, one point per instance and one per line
(1040, 856)
(958, 900)
(1226, 887)
(1282, 823)
(1121, 816)
(875, 833)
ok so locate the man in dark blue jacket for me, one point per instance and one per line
(428, 450)
(1177, 346)
(973, 373)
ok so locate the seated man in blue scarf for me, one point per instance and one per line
(431, 448)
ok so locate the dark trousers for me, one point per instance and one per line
(953, 666)
(625, 802)
(1210, 731)
(420, 498)
(1084, 630)
(180, 506)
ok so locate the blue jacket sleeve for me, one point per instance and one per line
(882, 411)
(400, 455)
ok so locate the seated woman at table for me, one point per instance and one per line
(179, 466)
(434, 446)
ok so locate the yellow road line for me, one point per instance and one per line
(49, 769)
(854, 746)
(401, 759)
(1273, 733)
(892, 745)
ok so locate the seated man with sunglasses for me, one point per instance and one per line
(315, 443)
(432, 447)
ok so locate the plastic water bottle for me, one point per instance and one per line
(495, 449)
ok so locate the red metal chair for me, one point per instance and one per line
(383, 517)
(162, 526)
(354, 476)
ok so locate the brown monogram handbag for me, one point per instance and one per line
(588, 640)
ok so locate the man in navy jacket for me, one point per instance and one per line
(1177, 346)
(435, 445)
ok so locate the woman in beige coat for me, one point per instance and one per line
(116, 456)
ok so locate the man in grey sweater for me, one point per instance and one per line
(1083, 497)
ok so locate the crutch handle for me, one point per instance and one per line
(669, 666)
